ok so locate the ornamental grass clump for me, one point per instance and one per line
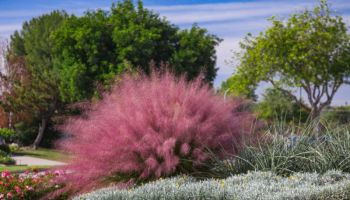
(153, 126)
(283, 154)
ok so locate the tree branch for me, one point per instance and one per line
(291, 95)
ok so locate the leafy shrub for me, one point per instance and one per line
(5, 148)
(286, 154)
(283, 107)
(337, 115)
(29, 185)
(151, 127)
(25, 133)
(254, 185)
(6, 159)
(7, 134)
(14, 147)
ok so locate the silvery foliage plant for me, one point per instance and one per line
(254, 185)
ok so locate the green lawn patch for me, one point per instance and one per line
(22, 168)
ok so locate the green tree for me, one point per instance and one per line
(310, 50)
(195, 53)
(84, 54)
(36, 89)
(275, 105)
(141, 36)
(64, 59)
(239, 86)
(91, 50)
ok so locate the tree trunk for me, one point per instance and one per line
(315, 120)
(41, 131)
(315, 114)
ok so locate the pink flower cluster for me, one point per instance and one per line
(153, 126)
(24, 186)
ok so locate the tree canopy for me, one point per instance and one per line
(59, 59)
(310, 50)
(30, 57)
(92, 49)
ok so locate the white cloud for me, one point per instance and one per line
(19, 13)
(200, 16)
(5, 28)
(222, 6)
(184, 14)
(225, 55)
(239, 28)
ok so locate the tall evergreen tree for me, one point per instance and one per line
(36, 90)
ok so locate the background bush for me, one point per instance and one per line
(151, 127)
(337, 115)
(26, 133)
(5, 148)
(283, 107)
(255, 185)
(6, 159)
(7, 134)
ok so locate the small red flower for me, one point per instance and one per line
(5, 174)
(9, 195)
(18, 189)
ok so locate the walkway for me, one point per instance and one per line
(31, 161)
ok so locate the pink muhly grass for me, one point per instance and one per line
(147, 126)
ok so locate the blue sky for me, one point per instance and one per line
(231, 20)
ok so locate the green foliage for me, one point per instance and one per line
(14, 147)
(195, 54)
(27, 132)
(5, 148)
(35, 45)
(36, 90)
(58, 58)
(282, 153)
(332, 185)
(7, 134)
(275, 105)
(92, 49)
(337, 115)
(309, 50)
(141, 36)
(5, 159)
(84, 54)
(239, 86)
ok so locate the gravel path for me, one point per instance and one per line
(30, 161)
